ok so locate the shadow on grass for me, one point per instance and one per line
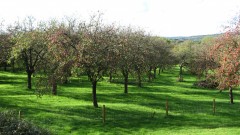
(128, 120)
(142, 111)
(5, 79)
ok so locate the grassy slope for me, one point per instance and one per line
(71, 112)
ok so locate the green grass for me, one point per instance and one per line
(71, 112)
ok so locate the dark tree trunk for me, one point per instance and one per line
(94, 93)
(13, 65)
(66, 81)
(126, 83)
(180, 79)
(159, 71)
(150, 74)
(29, 79)
(30, 71)
(231, 95)
(29, 67)
(139, 79)
(5, 66)
(155, 72)
(54, 87)
(206, 73)
(180, 72)
(110, 76)
(67, 76)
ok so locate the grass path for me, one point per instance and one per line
(142, 111)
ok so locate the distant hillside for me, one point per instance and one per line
(194, 38)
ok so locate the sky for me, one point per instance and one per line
(160, 17)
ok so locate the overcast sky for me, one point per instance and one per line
(160, 17)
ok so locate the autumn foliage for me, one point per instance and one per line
(226, 53)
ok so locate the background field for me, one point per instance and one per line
(142, 111)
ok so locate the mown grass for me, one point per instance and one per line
(142, 111)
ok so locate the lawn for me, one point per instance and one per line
(142, 111)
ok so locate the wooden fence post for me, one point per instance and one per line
(166, 107)
(214, 106)
(104, 114)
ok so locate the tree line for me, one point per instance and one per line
(55, 50)
(215, 59)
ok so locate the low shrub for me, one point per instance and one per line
(206, 84)
(11, 125)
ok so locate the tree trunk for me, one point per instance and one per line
(206, 73)
(54, 87)
(66, 81)
(155, 72)
(29, 79)
(110, 76)
(5, 66)
(150, 74)
(126, 83)
(159, 71)
(13, 65)
(231, 95)
(139, 80)
(94, 93)
(180, 79)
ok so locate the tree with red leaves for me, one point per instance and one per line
(61, 55)
(226, 52)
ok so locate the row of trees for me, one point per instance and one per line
(217, 59)
(55, 49)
